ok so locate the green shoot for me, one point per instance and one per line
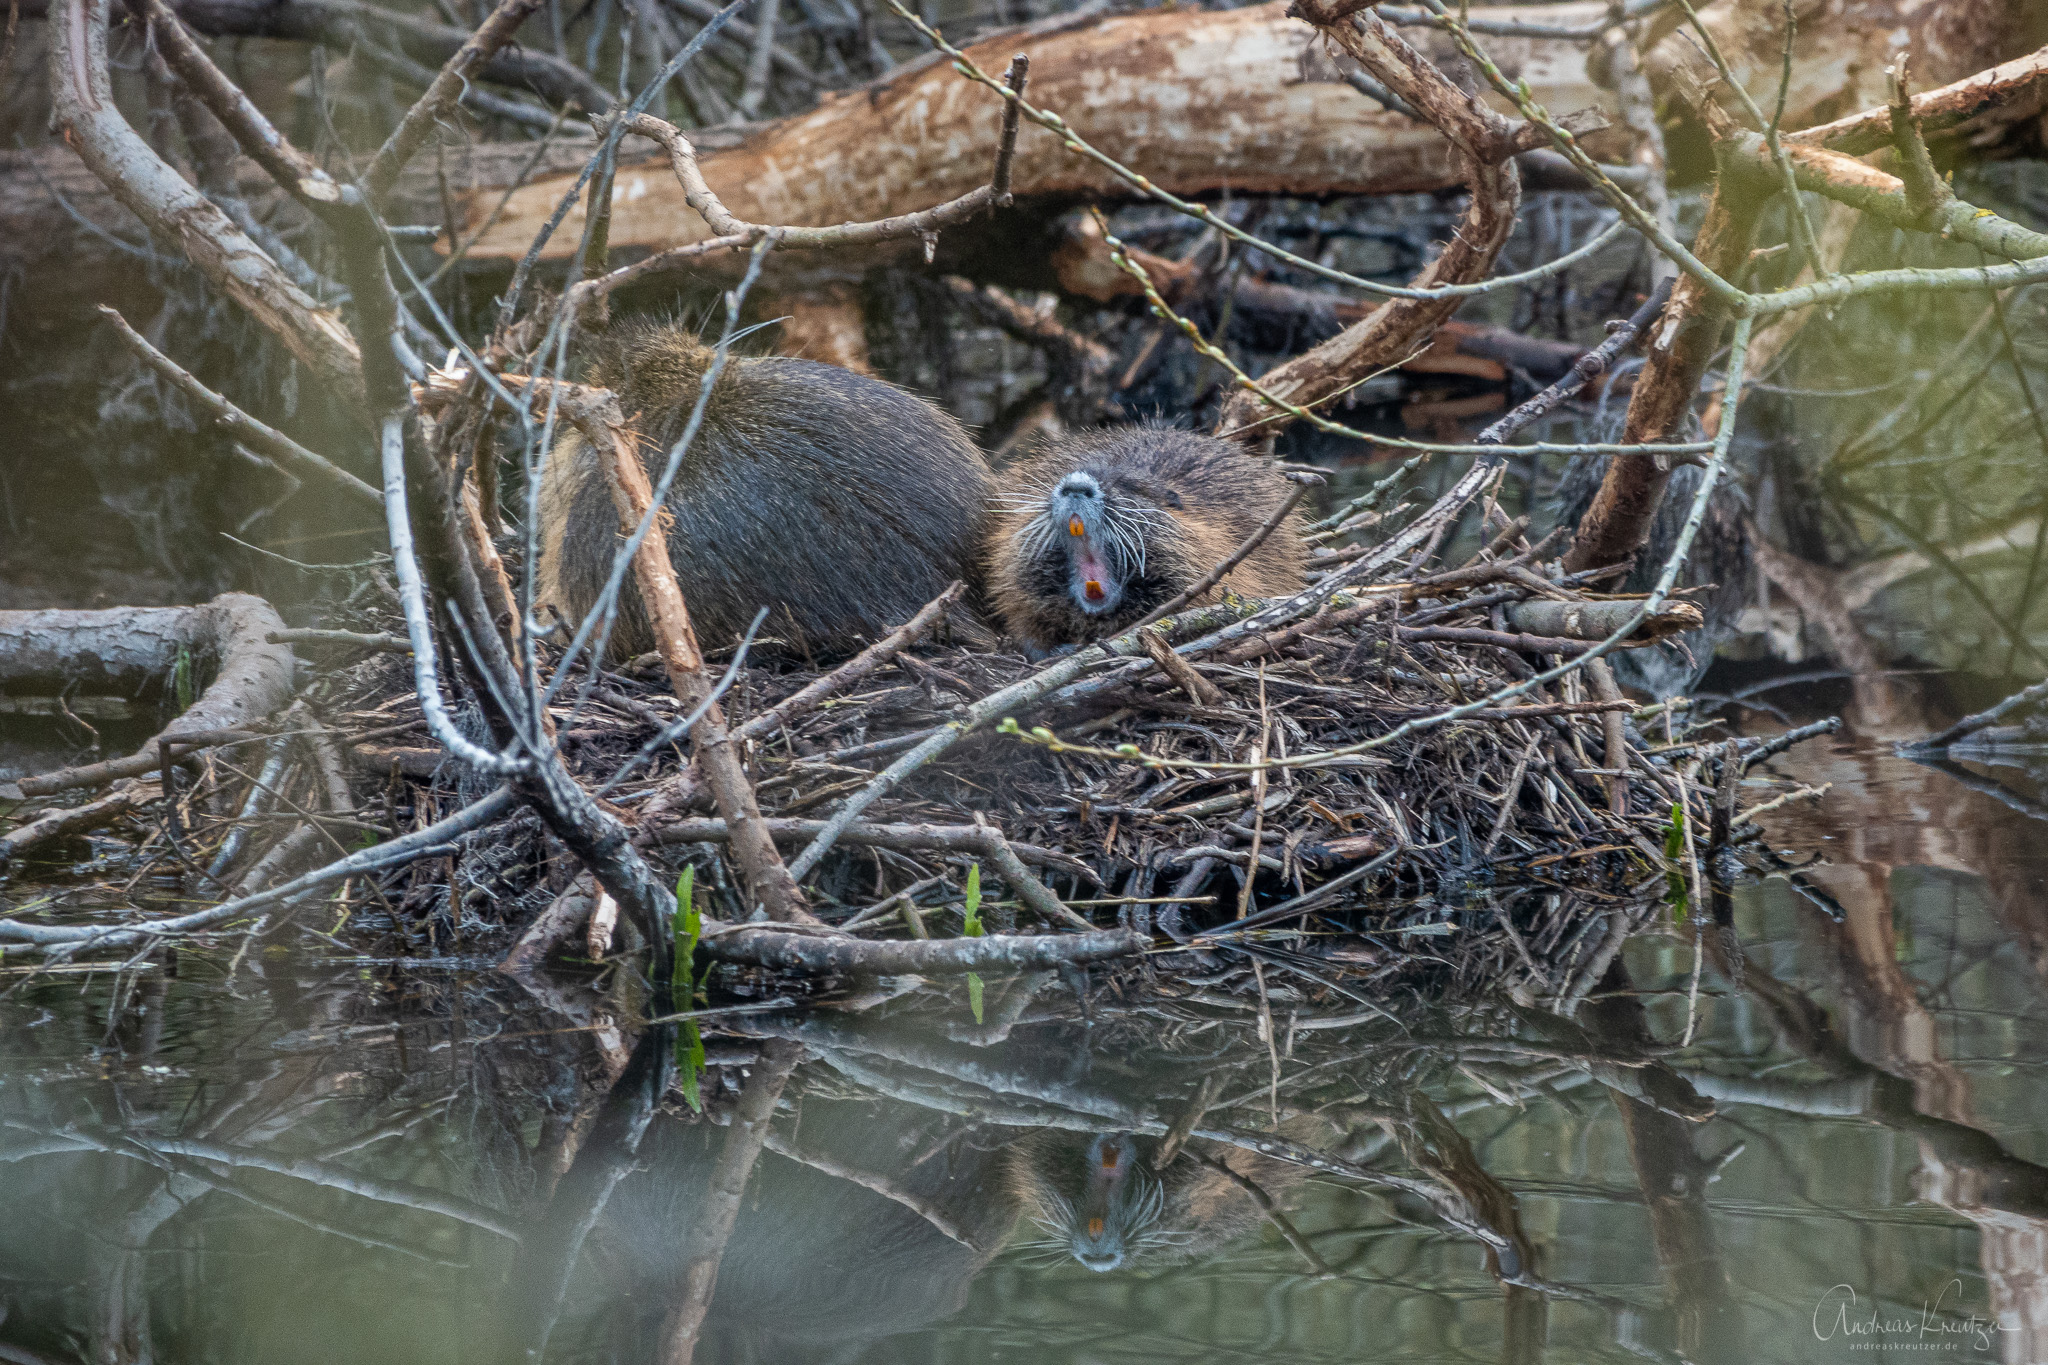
(1674, 855)
(686, 929)
(181, 679)
(972, 928)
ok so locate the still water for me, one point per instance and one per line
(302, 1156)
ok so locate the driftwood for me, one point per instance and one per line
(124, 650)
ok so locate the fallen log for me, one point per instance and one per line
(127, 649)
(1197, 101)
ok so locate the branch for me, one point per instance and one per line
(1926, 191)
(258, 436)
(345, 24)
(259, 138)
(358, 235)
(253, 681)
(1935, 110)
(1849, 181)
(903, 838)
(1618, 522)
(849, 674)
(732, 232)
(440, 97)
(434, 839)
(1586, 369)
(1970, 725)
(924, 957)
(595, 413)
(1386, 335)
(157, 194)
(56, 824)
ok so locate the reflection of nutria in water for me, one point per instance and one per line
(1099, 528)
(1098, 1199)
(867, 1220)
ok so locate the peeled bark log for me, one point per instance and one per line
(1198, 101)
(84, 108)
(1580, 620)
(126, 649)
(1243, 100)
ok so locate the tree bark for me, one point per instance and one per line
(1680, 345)
(1198, 101)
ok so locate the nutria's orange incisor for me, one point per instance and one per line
(840, 502)
(1105, 526)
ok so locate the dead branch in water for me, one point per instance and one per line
(143, 646)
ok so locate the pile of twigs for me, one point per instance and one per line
(1385, 780)
(1132, 785)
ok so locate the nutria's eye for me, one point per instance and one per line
(1169, 497)
(1075, 528)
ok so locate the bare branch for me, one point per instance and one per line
(1391, 332)
(159, 196)
(259, 436)
(732, 232)
(1586, 369)
(849, 674)
(440, 97)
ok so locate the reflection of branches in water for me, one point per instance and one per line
(163, 1151)
(2007, 1183)
(1990, 786)
(539, 1278)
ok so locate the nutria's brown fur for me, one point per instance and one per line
(838, 501)
(1102, 527)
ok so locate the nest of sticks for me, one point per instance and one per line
(1287, 791)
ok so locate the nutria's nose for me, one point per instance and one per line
(1079, 486)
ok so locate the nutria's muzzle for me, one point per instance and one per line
(1078, 509)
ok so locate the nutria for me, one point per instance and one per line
(1108, 525)
(1099, 1199)
(840, 502)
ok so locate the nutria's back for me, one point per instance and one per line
(1097, 529)
(840, 502)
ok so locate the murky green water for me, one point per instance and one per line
(301, 1156)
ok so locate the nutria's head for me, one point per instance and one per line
(1092, 537)
(1105, 527)
(1105, 1210)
